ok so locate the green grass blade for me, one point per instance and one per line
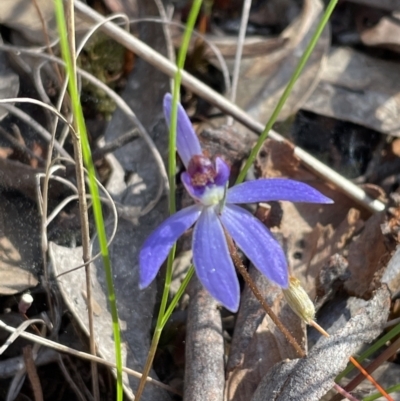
(375, 347)
(194, 11)
(97, 210)
(375, 396)
(303, 60)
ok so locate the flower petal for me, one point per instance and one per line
(274, 189)
(223, 172)
(157, 246)
(195, 192)
(255, 240)
(212, 261)
(187, 142)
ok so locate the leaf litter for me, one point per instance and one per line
(342, 254)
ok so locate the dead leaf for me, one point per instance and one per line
(9, 80)
(309, 251)
(384, 34)
(358, 88)
(137, 185)
(72, 287)
(5, 152)
(389, 5)
(331, 277)
(264, 78)
(14, 279)
(367, 255)
(311, 233)
(391, 276)
(19, 245)
(311, 377)
(23, 16)
(18, 176)
(257, 344)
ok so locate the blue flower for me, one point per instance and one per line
(216, 210)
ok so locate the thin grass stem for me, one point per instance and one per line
(194, 12)
(374, 347)
(296, 74)
(97, 210)
(205, 92)
(83, 206)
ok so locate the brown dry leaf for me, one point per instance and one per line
(14, 279)
(276, 159)
(389, 5)
(386, 33)
(19, 177)
(361, 89)
(311, 377)
(19, 245)
(391, 276)
(268, 63)
(5, 152)
(257, 344)
(311, 233)
(263, 79)
(368, 254)
(309, 251)
(138, 185)
(9, 80)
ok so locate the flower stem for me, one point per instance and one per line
(303, 60)
(246, 276)
(162, 314)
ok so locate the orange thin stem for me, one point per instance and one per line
(370, 378)
(356, 364)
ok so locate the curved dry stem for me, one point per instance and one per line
(167, 35)
(80, 47)
(39, 103)
(69, 379)
(35, 125)
(37, 79)
(63, 348)
(239, 50)
(22, 327)
(124, 107)
(202, 90)
(211, 45)
(19, 377)
(110, 202)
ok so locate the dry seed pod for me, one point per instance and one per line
(299, 300)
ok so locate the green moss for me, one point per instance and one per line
(104, 59)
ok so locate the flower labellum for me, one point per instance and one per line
(214, 212)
